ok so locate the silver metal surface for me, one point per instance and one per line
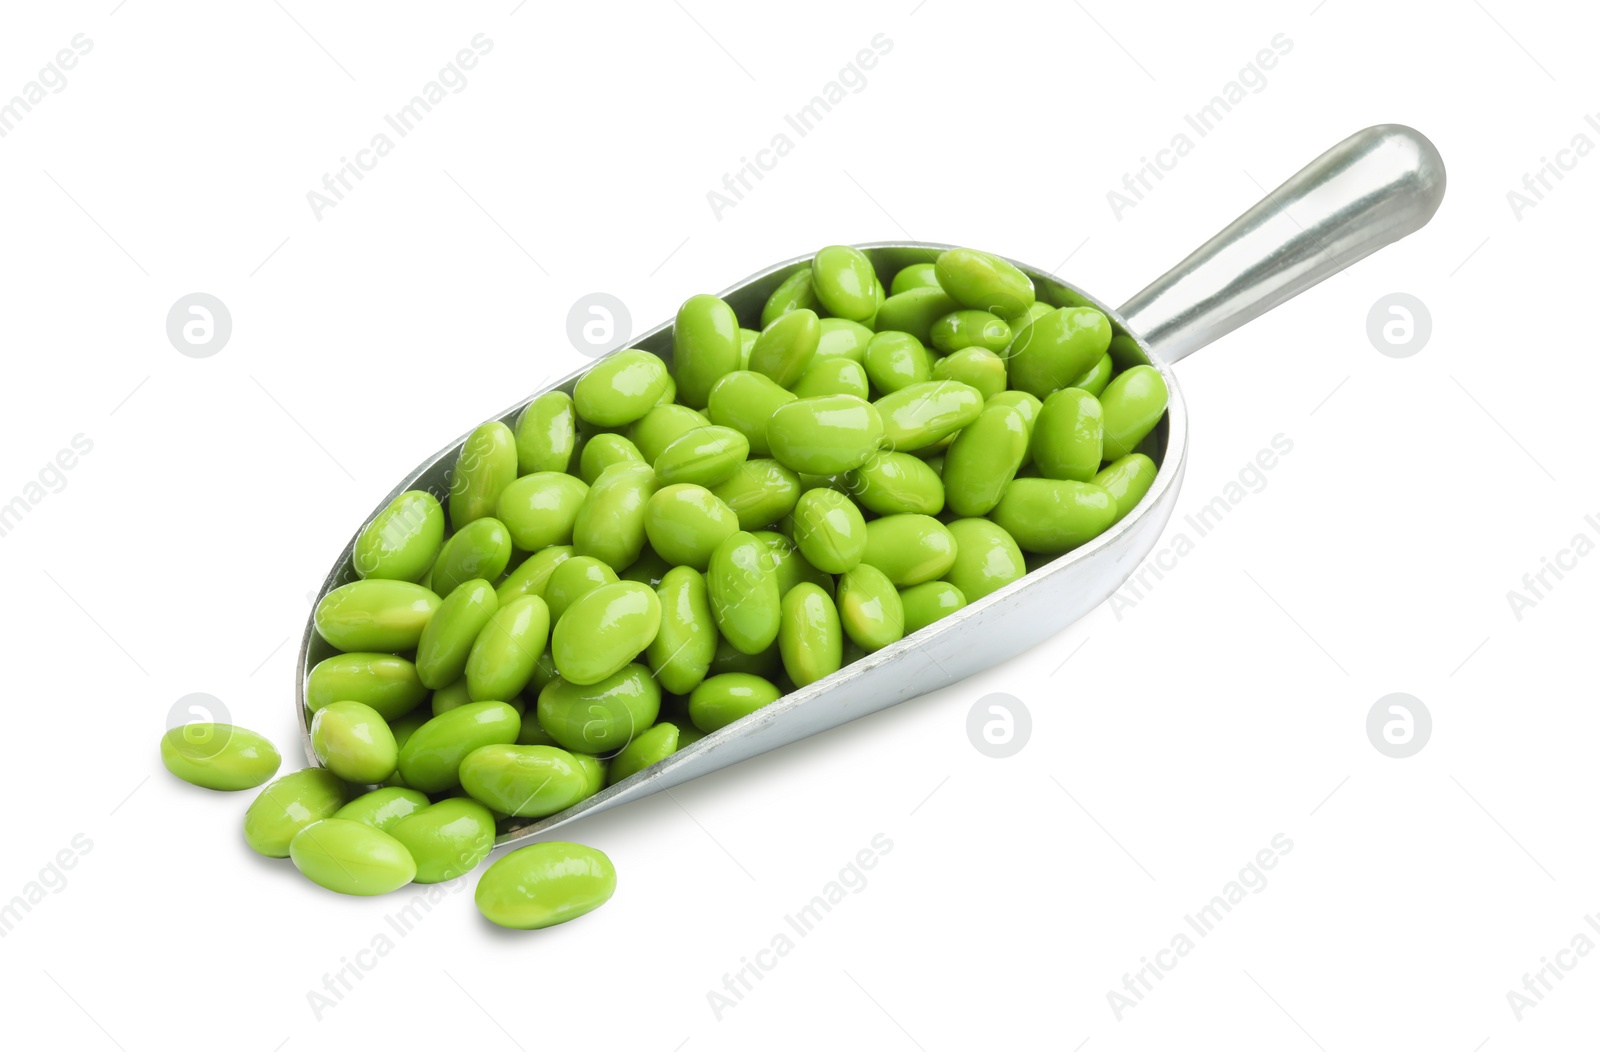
(1380, 204)
(1374, 188)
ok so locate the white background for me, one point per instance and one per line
(1225, 707)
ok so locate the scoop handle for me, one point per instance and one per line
(1372, 189)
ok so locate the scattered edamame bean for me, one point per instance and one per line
(351, 858)
(288, 805)
(545, 884)
(448, 839)
(219, 756)
(382, 808)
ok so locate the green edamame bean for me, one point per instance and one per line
(610, 524)
(401, 541)
(431, 758)
(524, 781)
(1127, 479)
(539, 509)
(1094, 381)
(662, 426)
(481, 548)
(621, 388)
(351, 858)
(1028, 406)
(532, 575)
(1051, 516)
(382, 808)
(448, 638)
(544, 670)
(375, 615)
(987, 558)
(456, 694)
(600, 717)
(502, 657)
(448, 839)
(385, 682)
(829, 530)
(1134, 403)
(680, 654)
(961, 329)
(604, 631)
(744, 593)
(1069, 435)
(574, 578)
(731, 696)
(545, 884)
(404, 727)
(745, 402)
(1018, 322)
(705, 346)
(915, 276)
(870, 610)
(546, 434)
(825, 435)
(927, 602)
(688, 733)
(604, 450)
(976, 367)
(892, 483)
(532, 733)
(1125, 352)
(842, 338)
(486, 465)
(768, 664)
(909, 549)
(595, 770)
(686, 523)
(705, 456)
(982, 281)
(921, 415)
(794, 293)
(747, 343)
(828, 376)
(785, 348)
(809, 636)
(354, 742)
(789, 566)
(287, 806)
(1056, 349)
(844, 283)
(650, 567)
(897, 359)
(219, 756)
(984, 458)
(914, 311)
(647, 750)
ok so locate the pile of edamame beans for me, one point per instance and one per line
(667, 550)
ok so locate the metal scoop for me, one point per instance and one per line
(1371, 189)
